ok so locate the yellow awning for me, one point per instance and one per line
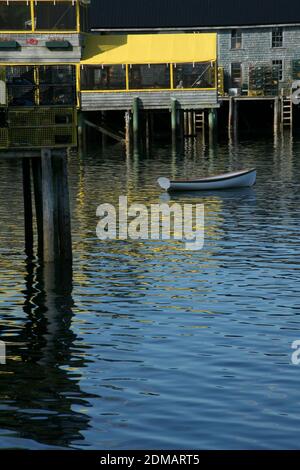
(150, 48)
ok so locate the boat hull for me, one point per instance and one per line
(244, 179)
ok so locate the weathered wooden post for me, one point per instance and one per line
(62, 208)
(148, 136)
(38, 198)
(236, 118)
(56, 222)
(212, 120)
(81, 130)
(174, 117)
(230, 114)
(136, 112)
(276, 115)
(190, 123)
(48, 206)
(103, 123)
(28, 214)
(127, 127)
(136, 122)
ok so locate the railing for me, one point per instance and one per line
(148, 77)
(29, 16)
(53, 85)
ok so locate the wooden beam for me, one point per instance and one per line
(28, 214)
(62, 209)
(105, 131)
(38, 197)
(48, 206)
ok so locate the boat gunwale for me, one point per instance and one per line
(215, 179)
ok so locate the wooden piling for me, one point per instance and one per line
(147, 130)
(136, 116)
(276, 115)
(28, 213)
(103, 124)
(81, 131)
(236, 118)
(174, 117)
(230, 114)
(190, 123)
(38, 198)
(48, 206)
(62, 209)
(127, 118)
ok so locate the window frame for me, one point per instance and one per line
(16, 5)
(87, 87)
(241, 75)
(281, 79)
(131, 68)
(235, 34)
(275, 35)
(33, 29)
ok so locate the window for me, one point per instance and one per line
(236, 39)
(20, 85)
(57, 85)
(55, 16)
(198, 75)
(108, 77)
(277, 66)
(15, 16)
(54, 85)
(236, 74)
(152, 76)
(277, 37)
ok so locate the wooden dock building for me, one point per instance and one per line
(258, 45)
(66, 63)
(40, 52)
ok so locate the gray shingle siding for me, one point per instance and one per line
(257, 50)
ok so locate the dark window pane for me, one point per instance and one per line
(277, 67)
(20, 75)
(236, 74)
(108, 77)
(20, 85)
(59, 16)
(57, 74)
(236, 39)
(277, 37)
(153, 76)
(57, 85)
(15, 16)
(198, 75)
(21, 95)
(57, 95)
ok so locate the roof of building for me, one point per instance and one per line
(156, 14)
(150, 48)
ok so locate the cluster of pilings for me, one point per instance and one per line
(45, 181)
(139, 125)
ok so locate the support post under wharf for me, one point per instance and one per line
(51, 196)
(28, 213)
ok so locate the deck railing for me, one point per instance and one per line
(148, 77)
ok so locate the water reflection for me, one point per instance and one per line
(40, 385)
(160, 347)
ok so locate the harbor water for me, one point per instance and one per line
(150, 346)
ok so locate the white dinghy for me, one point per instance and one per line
(239, 179)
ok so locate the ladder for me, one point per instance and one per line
(199, 121)
(286, 111)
